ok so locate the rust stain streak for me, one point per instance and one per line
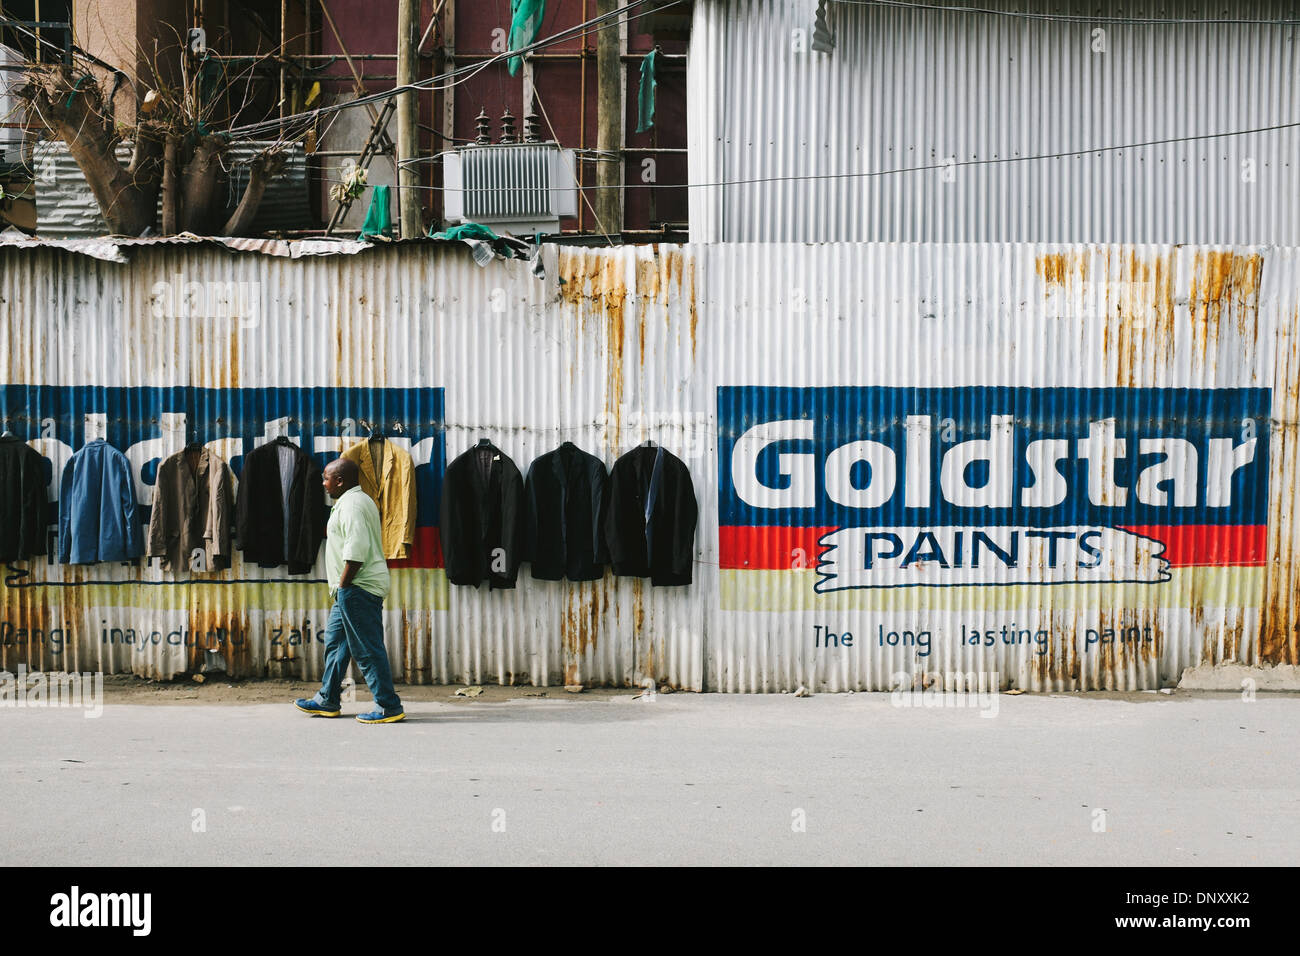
(1052, 267)
(613, 297)
(595, 284)
(1224, 284)
(232, 361)
(1280, 618)
(691, 303)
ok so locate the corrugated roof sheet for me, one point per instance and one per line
(966, 98)
(66, 209)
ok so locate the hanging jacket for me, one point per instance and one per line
(280, 513)
(23, 506)
(98, 520)
(393, 490)
(564, 497)
(482, 518)
(193, 508)
(650, 521)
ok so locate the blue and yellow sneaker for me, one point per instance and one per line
(309, 705)
(379, 717)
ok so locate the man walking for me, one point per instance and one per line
(358, 579)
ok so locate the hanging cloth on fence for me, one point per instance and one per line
(525, 24)
(379, 220)
(645, 100)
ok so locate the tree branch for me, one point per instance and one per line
(264, 167)
(171, 193)
(72, 108)
(200, 179)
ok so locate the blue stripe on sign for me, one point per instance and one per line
(1204, 428)
(134, 415)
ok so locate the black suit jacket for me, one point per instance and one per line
(482, 518)
(259, 510)
(565, 509)
(663, 547)
(23, 512)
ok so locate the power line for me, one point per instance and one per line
(1066, 17)
(600, 22)
(873, 174)
(1008, 159)
(577, 179)
(427, 84)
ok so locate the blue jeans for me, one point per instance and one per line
(355, 631)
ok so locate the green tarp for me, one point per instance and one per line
(379, 220)
(525, 24)
(645, 101)
(467, 230)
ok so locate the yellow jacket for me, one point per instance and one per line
(393, 491)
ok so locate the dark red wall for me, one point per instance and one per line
(369, 27)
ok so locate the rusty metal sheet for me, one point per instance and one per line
(881, 407)
(187, 342)
(791, 378)
(114, 249)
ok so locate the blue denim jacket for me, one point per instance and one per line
(98, 520)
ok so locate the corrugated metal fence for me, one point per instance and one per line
(819, 395)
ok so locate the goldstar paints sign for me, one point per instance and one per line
(905, 487)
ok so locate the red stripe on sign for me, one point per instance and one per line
(1186, 546)
(426, 550)
(769, 548)
(1209, 545)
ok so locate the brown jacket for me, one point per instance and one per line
(193, 507)
(393, 490)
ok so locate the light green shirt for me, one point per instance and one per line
(353, 534)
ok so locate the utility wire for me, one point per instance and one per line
(426, 84)
(577, 179)
(873, 174)
(600, 22)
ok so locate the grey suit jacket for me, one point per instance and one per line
(193, 507)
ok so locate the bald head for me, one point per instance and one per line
(340, 475)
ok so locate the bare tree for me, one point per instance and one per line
(173, 151)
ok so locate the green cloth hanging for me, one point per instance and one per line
(645, 100)
(525, 24)
(379, 220)
(466, 230)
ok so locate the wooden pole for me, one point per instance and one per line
(582, 117)
(447, 62)
(408, 116)
(609, 124)
(284, 56)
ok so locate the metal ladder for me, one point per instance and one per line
(376, 143)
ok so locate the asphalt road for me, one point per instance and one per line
(682, 778)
